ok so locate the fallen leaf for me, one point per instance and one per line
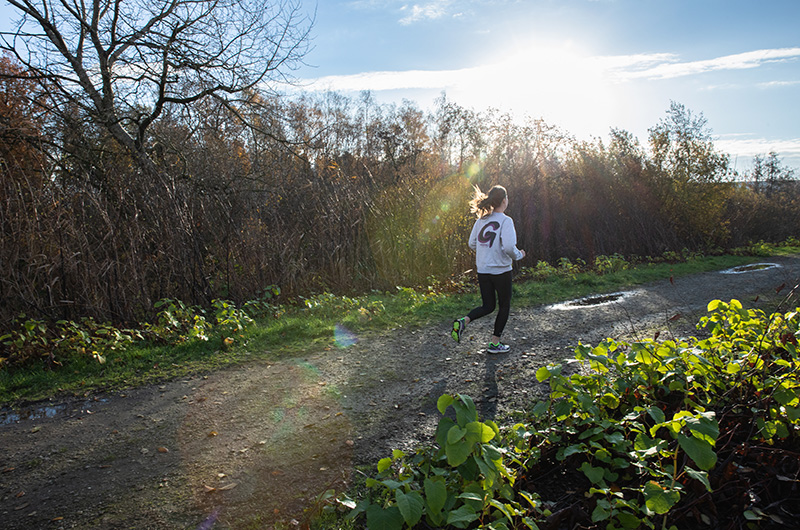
(209, 489)
(8, 470)
(656, 334)
(213, 433)
(54, 519)
(163, 450)
(36, 429)
(340, 413)
(676, 316)
(228, 487)
(21, 506)
(277, 472)
(20, 494)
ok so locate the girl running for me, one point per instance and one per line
(494, 240)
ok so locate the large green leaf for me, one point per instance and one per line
(384, 464)
(704, 426)
(410, 505)
(784, 394)
(700, 451)
(455, 434)
(465, 410)
(388, 519)
(458, 452)
(478, 432)
(658, 499)
(435, 494)
(444, 401)
(445, 424)
(461, 517)
(702, 476)
(595, 474)
(602, 511)
(542, 374)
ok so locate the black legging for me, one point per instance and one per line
(489, 285)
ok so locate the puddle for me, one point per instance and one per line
(741, 269)
(9, 417)
(593, 300)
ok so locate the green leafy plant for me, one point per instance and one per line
(229, 319)
(88, 337)
(640, 422)
(541, 271)
(607, 264)
(264, 304)
(177, 322)
(27, 341)
(567, 268)
(463, 482)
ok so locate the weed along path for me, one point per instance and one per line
(253, 446)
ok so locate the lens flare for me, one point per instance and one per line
(343, 337)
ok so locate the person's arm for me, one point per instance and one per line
(509, 241)
(473, 236)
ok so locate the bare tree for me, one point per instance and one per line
(123, 62)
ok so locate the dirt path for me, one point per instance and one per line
(253, 445)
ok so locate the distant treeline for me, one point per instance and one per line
(330, 193)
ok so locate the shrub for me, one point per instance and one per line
(638, 426)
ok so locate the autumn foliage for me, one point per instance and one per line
(328, 193)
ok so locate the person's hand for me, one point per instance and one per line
(523, 253)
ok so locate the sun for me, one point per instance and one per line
(559, 81)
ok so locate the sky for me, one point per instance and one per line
(585, 66)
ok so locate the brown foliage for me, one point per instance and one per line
(323, 193)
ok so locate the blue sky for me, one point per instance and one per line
(583, 65)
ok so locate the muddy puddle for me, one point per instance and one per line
(597, 300)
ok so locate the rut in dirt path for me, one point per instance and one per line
(257, 443)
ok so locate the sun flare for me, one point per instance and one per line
(554, 81)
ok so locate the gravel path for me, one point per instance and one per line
(253, 445)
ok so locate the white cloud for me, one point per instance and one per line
(429, 11)
(748, 146)
(738, 61)
(743, 147)
(778, 84)
(387, 80)
(556, 65)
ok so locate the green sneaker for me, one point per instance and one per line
(458, 329)
(498, 347)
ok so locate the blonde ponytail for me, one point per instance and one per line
(483, 204)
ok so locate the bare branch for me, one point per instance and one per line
(123, 62)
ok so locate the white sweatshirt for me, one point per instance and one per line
(494, 241)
